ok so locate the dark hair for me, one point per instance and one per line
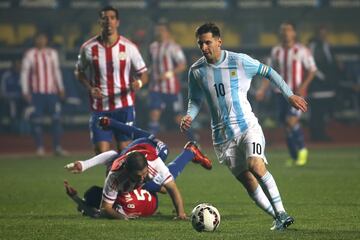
(93, 196)
(109, 8)
(208, 28)
(135, 161)
(289, 22)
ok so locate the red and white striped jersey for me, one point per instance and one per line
(40, 72)
(291, 63)
(139, 202)
(111, 69)
(165, 56)
(118, 182)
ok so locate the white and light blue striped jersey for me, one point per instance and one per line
(225, 86)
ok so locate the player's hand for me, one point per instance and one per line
(166, 75)
(298, 103)
(185, 123)
(70, 191)
(181, 217)
(95, 92)
(131, 217)
(136, 84)
(62, 94)
(74, 167)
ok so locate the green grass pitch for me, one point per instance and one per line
(323, 196)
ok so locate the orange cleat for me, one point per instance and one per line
(199, 157)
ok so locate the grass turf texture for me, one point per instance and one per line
(323, 197)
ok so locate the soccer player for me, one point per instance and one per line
(142, 161)
(11, 96)
(168, 62)
(42, 87)
(116, 71)
(137, 203)
(296, 65)
(322, 90)
(223, 78)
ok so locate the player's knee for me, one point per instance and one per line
(292, 121)
(256, 166)
(101, 147)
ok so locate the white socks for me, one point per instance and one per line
(262, 201)
(269, 185)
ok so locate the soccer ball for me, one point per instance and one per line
(205, 218)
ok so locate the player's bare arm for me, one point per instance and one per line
(177, 70)
(185, 123)
(94, 91)
(304, 86)
(107, 211)
(177, 200)
(72, 193)
(139, 81)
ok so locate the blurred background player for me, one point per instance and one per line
(112, 61)
(43, 87)
(168, 62)
(322, 89)
(128, 171)
(296, 65)
(223, 78)
(11, 97)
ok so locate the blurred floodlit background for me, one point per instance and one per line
(249, 26)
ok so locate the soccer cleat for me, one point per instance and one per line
(199, 157)
(282, 221)
(302, 157)
(104, 122)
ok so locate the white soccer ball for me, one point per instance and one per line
(205, 218)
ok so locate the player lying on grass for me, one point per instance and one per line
(141, 164)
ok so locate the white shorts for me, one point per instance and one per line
(235, 152)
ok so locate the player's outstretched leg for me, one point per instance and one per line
(282, 220)
(107, 123)
(190, 153)
(199, 157)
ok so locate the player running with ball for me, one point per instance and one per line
(223, 78)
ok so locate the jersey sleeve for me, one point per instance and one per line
(109, 192)
(82, 63)
(178, 55)
(308, 60)
(195, 96)
(136, 60)
(163, 175)
(251, 66)
(25, 73)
